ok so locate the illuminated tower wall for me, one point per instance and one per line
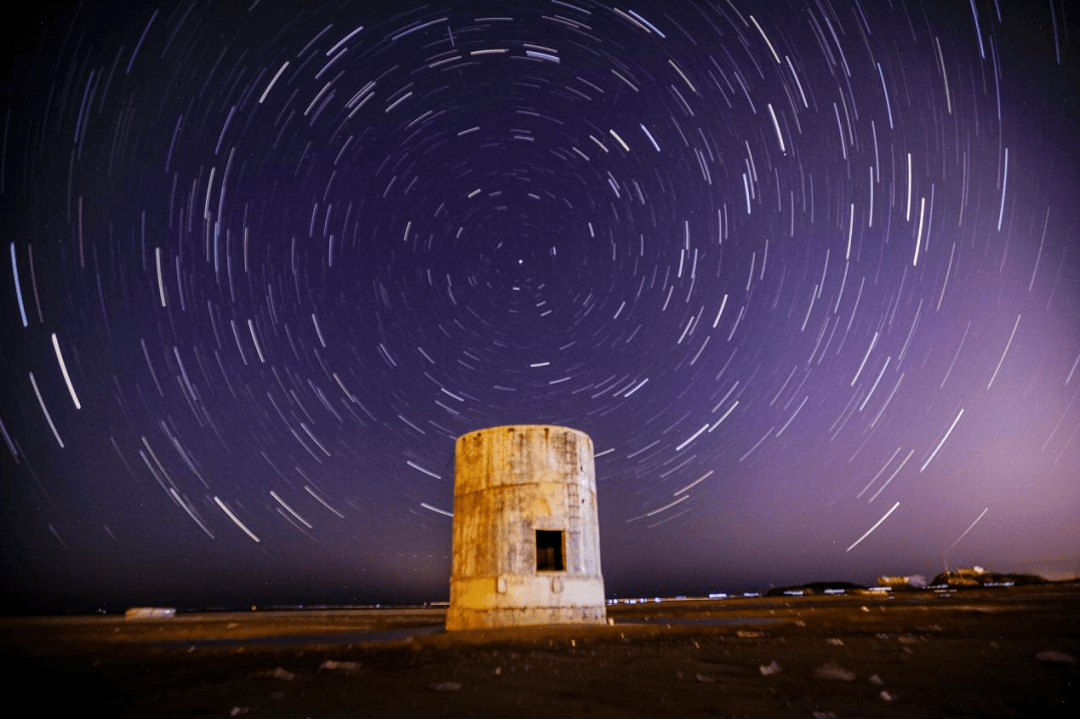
(526, 546)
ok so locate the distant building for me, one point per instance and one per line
(150, 613)
(902, 581)
(979, 577)
(966, 577)
(526, 546)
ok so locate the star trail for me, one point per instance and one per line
(806, 271)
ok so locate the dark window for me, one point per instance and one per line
(549, 551)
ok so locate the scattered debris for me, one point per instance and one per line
(887, 696)
(747, 634)
(875, 679)
(832, 670)
(1057, 657)
(276, 673)
(770, 668)
(335, 666)
(705, 679)
(237, 711)
(445, 687)
(835, 642)
(907, 639)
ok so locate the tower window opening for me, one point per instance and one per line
(549, 551)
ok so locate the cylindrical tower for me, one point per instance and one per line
(526, 537)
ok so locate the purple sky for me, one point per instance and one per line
(807, 273)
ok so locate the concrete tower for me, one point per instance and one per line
(526, 539)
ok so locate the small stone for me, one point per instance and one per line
(237, 711)
(875, 679)
(887, 696)
(335, 666)
(1057, 657)
(746, 634)
(704, 679)
(276, 673)
(770, 668)
(832, 670)
(445, 687)
(835, 642)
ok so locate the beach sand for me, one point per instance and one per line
(986, 652)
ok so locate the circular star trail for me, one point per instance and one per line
(806, 272)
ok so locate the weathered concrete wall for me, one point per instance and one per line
(509, 482)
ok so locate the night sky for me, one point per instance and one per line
(807, 272)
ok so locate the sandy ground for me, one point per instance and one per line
(976, 653)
